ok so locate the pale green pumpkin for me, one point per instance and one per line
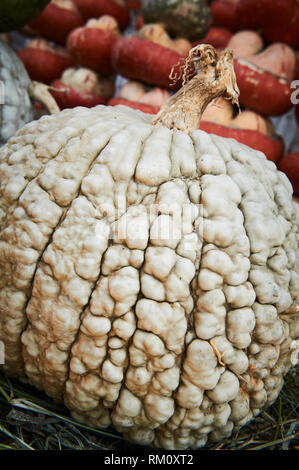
(18, 94)
(15, 104)
(184, 18)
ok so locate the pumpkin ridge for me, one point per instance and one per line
(181, 413)
(3, 227)
(73, 344)
(140, 295)
(189, 320)
(43, 123)
(43, 264)
(85, 310)
(139, 327)
(114, 317)
(181, 360)
(250, 376)
(27, 178)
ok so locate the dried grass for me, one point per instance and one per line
(30, 420)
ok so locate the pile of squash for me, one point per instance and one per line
(149, 258)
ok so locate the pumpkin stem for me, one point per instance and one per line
(184, 109)
(40, 92)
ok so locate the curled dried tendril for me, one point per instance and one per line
(184, 109)
(191, 64)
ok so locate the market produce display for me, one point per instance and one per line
(96, 8)
(81, 87)
(57, 20)
(261, 89)
(91, 45)
(157, 33)
(135, 95)
(136, 91)
(263, 14)
(142, 59)
(287, 32)
(276, 19)
(43, 61)
(149, 228)
(224, 14)
(247, 127)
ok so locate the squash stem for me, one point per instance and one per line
(40, 92)
(184, 109)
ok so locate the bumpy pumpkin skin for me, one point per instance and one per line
(16, 13)
(182, 18)
(147, 276)
(15, 105)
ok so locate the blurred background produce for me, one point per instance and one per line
(16, 13)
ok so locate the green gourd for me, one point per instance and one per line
(16, 13)
(15, 104)
(184, 18)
